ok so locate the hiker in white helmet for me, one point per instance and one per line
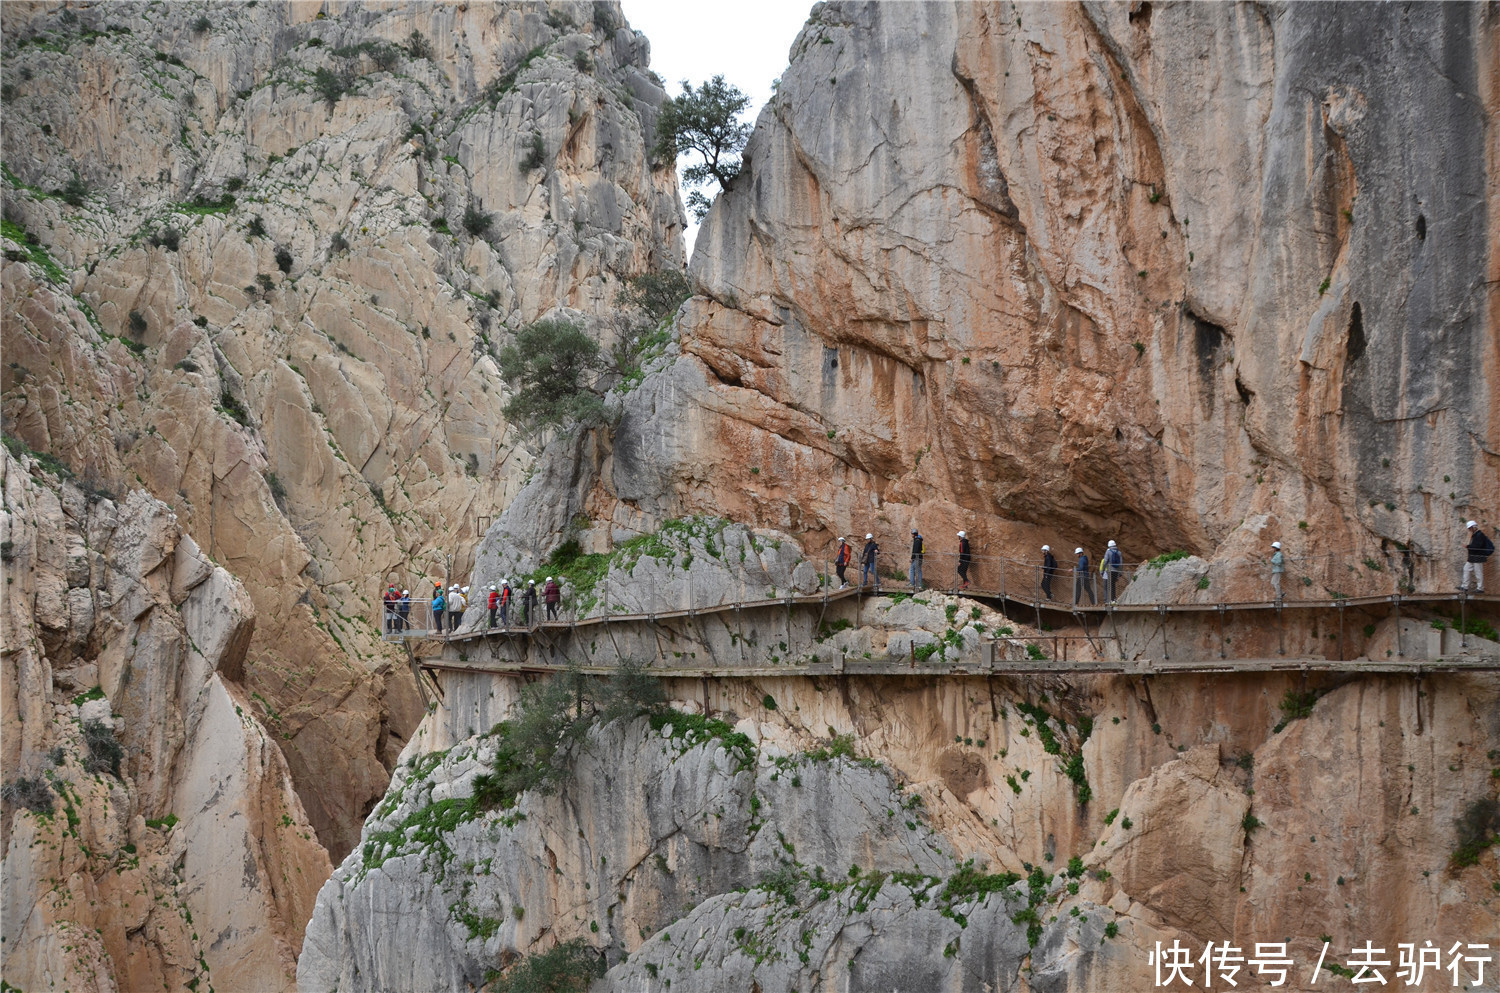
(457, 604)
(403, 607)
(964, 557)
(867, 571)
(1083, 580)
(493, 602)
(1480, 548)
(1049, 570)
(1113, 568)
(505, 595)
(1278, 569)
(841, 561)
(552, 594)
(528, 602)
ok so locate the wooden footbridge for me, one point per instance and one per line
(793, 635)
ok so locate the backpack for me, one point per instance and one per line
(921, 545)
(843, 558)
(1486, 547)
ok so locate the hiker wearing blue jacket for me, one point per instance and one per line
(1083, 580)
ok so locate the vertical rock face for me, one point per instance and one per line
(302, 233)
(1178, 274)
(165, 844)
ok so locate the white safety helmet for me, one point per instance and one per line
(406, 592)
(531, 582)
(841, 537)
(1472, 524)
(466, 589)
(1046, 548)
(1111, 543)
(492, 586)
(549, 579)
(869, 537)
(1078, 551)
(504, 582)
(963, 534)
(1276, 544)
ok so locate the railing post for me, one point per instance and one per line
(1396, 601)
(1221, 632)
(1463, 618)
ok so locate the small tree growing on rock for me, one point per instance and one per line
(706, 121)
(555, 368)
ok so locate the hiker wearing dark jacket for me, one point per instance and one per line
(505, 595)
(918, 549)
(1049, 569)
(841, 562)
(403, 607)
(528, 602)
(1480, 548)
(1083, 580)
(963, 558)
(552, 594)
(867, 571)
(392, 617)
(1113, 568)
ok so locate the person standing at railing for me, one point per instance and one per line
(528, 602)
(505, 595)
(1114, 568)
(1278, 569)
(1083, 580)
(1480, 548)
(918, 549)
(1049, 570)
(867, 563)
(390, 598)
(841, 562)
(552, 593)
(964, 558)
(403, 610)
(493, 603)
(439, 604)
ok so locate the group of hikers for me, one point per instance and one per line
(451, 604)
(1112, 566)
(455, 600)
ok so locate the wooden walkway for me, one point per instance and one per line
(547, 645)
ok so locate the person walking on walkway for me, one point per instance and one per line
(1049, 570)
(918, 549)
(552, 593)
(867, 563)
(505, 603)
(964, 558)
(1083, 580)
(841, 562)
(528, 602)
(457, 604)
(493, 604)
(403, 610)
(1278, 569)
(1480, 548)
(439, 603)
(1114, 568)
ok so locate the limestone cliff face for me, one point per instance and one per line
(1183, 275)
(188, 860)
(268, 310)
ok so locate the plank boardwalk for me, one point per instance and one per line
(519, 648)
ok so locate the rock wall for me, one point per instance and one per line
(1174, 274)
(274, 302)
(166, 846)
(826, 849)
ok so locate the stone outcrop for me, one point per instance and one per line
(712, 863)
(168, 847)
(302, 234)
(1172, 274)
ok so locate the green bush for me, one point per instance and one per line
(554, 367)
(1478, 829)
(476, 222)
(74, 192)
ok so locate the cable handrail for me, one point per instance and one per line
(1170, 583)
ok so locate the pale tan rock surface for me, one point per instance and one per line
(371, 444)
(216, 887)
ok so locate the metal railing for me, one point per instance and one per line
(1307, 580)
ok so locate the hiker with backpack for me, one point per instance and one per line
(1113, 567)
(841, 562)
(1480, 548)
(493, 604)
(505, 595)
(964, 558)
(1049, 569)
(1083, 580)
(552, 594)
(867, 571)
(528, 602)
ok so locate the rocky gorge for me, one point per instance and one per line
(1176, 274)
